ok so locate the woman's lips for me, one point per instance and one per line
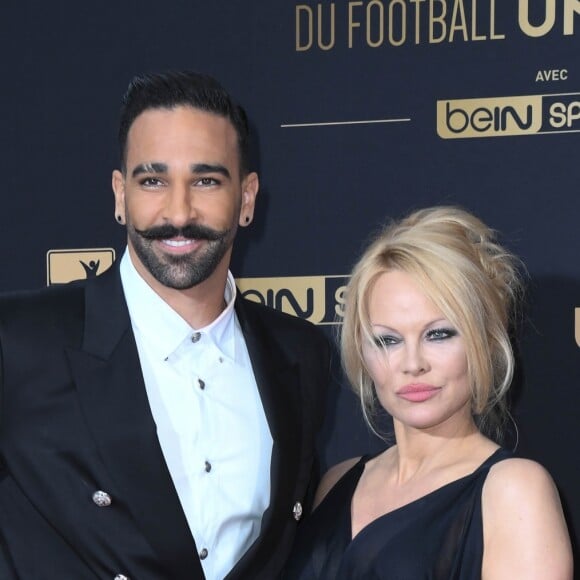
(417, 393)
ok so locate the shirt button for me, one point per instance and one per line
(201, 384)
(102, 498)
(195, 337)
(203, 554)
(207, 466)
(297, 511)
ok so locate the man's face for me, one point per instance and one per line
(182, 196)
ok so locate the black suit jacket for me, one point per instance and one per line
(75, 419)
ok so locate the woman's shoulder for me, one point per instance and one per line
(519, 485)
(525, 532)
(332, 477)
(515, 478)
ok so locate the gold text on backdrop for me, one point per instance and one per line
(319, 299)
(509, 116)
(376, 23)
(305, 14)
(570, 8)
(496, 116)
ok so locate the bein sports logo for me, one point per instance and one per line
(577, 326)
(508, 116)
(319, 299)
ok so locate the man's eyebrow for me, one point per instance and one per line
(149, 168)
(210, 168)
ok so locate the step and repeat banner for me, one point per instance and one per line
(361, 110)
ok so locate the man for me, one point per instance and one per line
(154, 424)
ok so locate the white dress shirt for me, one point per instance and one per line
(210, 420)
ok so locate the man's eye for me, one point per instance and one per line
(437, 334)
(386, 340)
(207, 181)
(151, 182)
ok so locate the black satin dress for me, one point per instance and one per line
(436, 537)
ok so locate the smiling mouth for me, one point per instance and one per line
(190, 232)
(179, 246)
(178, 243)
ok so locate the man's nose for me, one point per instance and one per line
(180, 206)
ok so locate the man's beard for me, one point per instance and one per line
(180, 271)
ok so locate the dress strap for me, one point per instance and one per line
(498, 455)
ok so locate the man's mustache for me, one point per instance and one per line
(190, 231)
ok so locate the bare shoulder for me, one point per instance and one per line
(331, 477)
(518, 491)
(525, 533)
(520, 480)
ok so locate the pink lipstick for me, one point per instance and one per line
(417, 393)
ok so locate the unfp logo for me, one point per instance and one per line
(319, 299)
(508, 116)
(63, 266)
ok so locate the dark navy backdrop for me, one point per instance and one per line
(325, 187)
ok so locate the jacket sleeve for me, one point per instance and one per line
(7, 571)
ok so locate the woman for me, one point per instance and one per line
(425, 336)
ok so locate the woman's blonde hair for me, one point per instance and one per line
(469, 276)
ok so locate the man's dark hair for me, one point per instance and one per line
(182, 88)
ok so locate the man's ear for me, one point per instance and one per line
(250, 187)
(118, 183)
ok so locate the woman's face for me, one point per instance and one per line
(417, 360)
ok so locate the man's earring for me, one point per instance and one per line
(247, 219)
(119, 219)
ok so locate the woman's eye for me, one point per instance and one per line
(386, 340)
(441, 334)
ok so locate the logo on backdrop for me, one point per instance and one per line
(577, 326)
(508, 116)
(319, 299)
(377, 23)
(63, 266)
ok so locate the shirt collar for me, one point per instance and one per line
(162, 327)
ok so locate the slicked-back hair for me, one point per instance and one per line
(182, 88)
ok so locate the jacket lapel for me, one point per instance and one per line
(279, 386)
(108, 376)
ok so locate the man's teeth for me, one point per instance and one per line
(178, 243)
